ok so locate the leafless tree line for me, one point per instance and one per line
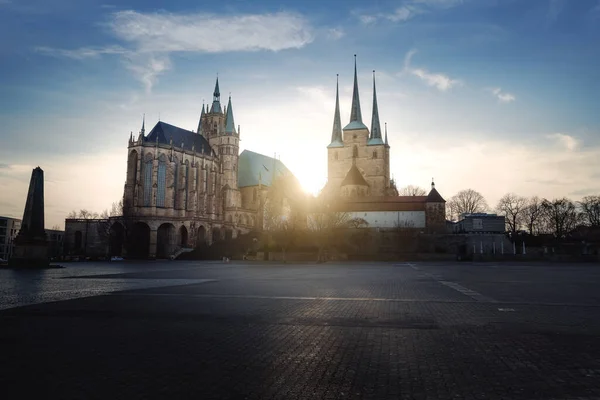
(543, 216)
(116, 210)
(532, 214)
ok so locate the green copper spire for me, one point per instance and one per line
(229, 124)
(375, 125)
(375, 137)
(216, 105)
(355, 113)
(336, 133)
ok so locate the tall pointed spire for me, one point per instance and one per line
(229, 124)
(386, 139)
(336, 133)
(143, 130)
(216, 105)
(375, 125)
(200, 121)
(355, 113)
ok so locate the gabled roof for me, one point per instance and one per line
(165, 132)
(354, 177)
(435, 197)
(253, 167)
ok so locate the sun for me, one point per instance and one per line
(312, 179)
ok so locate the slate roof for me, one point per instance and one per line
(354, 177)
(251, 165)
(435, 197)
(165, 132)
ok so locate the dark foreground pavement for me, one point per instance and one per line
(351, 331)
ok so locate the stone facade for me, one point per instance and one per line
(358, 175)
(182, 190)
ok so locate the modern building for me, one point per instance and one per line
(358, 174)
(9, 228)
(480, 223)
(182, 189)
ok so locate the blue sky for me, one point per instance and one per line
(495, 95)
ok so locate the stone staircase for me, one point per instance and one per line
(179, 251)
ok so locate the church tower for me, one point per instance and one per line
(218, 127)
(355, 151)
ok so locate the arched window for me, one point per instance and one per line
(132, 167)
(205, 180)
(148, 183)
(175, 181)
(186, 176)
(355, 152)
(161, 184)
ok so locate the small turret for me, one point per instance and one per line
(386, 137)
(200, 121)
(229, 123)
(216, 105)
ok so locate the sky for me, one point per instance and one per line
(494, 95)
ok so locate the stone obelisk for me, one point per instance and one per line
(31, 244)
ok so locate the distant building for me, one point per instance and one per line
(358, 175)
(480, 223)
(9, 228)
(183, 189)
(55, 243)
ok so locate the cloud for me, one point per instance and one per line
(146, 67)
(4, 166)
(335, 33)
(440, 81)
(207, 33)
(439, 3)
(408, 10)
(81, 53)
(568, 142)
(503, 97)
(400, 14)
(151, 37)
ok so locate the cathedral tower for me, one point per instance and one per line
(218, 127)
(354, 149)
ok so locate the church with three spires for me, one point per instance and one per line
(358, 174)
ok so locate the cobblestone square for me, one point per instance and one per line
(302, 331)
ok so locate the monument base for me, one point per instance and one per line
(32, 255)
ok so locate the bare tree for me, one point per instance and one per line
(561, 216)
(412, 190)
(590, 209)
(56, 227)
(72, 215)
(466, 201)
(284, 213)
(513, 208)
(532, 215)
(116, 209)
(324, 221)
